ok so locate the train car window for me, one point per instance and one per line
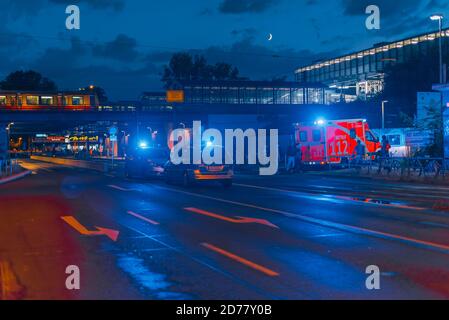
(32, 100)
(77, 101)
(47, 100)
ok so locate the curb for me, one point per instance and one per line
(15, 177)
(82, 164)
(429, 181)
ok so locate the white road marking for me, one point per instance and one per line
(330, 224)
(113, 186)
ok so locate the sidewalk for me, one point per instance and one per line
(95, 165)
(392, 177)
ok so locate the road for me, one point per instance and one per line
(307, 236)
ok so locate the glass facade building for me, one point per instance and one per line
(254, 92)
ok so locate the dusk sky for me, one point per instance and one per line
(123, 45)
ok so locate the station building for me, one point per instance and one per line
(361, 74)
(244, 92)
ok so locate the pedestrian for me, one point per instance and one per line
(298, 157)
(384, 155)
(385, 148)
(360, 152)
(291, 157)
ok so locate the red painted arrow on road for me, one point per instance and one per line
(232, 220)
(75, 224)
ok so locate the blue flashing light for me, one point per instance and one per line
(143, 145)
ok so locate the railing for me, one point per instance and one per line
(8, 167)
(418, 167)
(130, 108)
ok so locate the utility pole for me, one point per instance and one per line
(383, 115)
(439, 18)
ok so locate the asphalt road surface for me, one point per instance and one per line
(284, 237)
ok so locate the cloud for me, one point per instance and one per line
(246, 6)
(122, 48)
(117, 5)
(388, 8)
(261, 63)
(400, 18)
(78, 63)
(246, 33)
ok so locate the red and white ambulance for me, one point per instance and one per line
(334, 141)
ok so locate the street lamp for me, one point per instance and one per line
(383, 115)
(8, 144)
(439, 18)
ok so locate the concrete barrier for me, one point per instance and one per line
(97, 166)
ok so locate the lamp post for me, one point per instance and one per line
(383, 115)
(8, 131)
(439, 18)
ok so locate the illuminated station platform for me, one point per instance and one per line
(360, 75)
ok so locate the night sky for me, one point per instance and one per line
(123, 44)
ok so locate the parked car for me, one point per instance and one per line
(188, 174)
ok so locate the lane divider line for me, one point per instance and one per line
(143, 218)
(113, 186)
(241, 260)
(226, 274)
(334, 225)
(117, 187)
(232, 220)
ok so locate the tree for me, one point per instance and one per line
(27, 81)
(184, 67)
(98, 91)
(434, 122)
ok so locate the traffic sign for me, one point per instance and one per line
(113, 131)
(175, 96)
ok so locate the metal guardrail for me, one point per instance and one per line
(112, 108)
(418, 167)
(8, 167)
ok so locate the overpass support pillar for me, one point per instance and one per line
(4, 143)
(446, 133)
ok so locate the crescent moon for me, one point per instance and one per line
(270, 37)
